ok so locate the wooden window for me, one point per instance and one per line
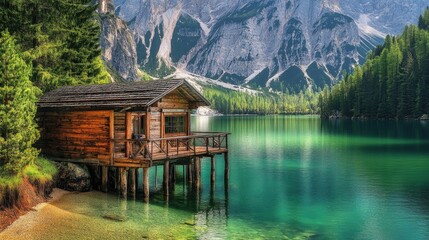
(174, 124)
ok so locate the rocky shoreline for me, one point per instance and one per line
(71, 177)
(16, 216)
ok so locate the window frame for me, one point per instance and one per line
(173, 120)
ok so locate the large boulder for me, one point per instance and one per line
(424, 117)
(73, 177)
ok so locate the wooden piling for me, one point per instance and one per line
(226, 174)
(123, 176)
(146, 183)
(189, 173)
(197, 170)
(156, 177)
(104, 178)
(132, 179)
(213, 170)
(117, 179)
(137, 178)
(166, 186)
(173, 176)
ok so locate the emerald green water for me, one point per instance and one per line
(290, 177)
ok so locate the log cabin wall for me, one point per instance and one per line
(76, 135)
(120, 133)
(155, 123)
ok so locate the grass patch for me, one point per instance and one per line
(42, 171)
(8, 181)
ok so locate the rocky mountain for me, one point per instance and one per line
(279, 44)
(117, 43)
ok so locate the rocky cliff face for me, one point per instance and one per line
(117, 43)
(280, 44)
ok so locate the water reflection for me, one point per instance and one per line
(290, 177)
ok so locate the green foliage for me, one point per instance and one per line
(424, 20)
(18, 130)
(60, 38)
(42, 171)
(393, 83)
(9, 181)
(236, 102)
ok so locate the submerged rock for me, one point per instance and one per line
(189, 223)
(115, 217)
(424, 117)
(73, 177)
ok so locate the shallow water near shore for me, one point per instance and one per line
(294, 177)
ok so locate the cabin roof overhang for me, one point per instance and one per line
(119, 96)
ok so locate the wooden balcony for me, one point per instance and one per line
(152, 152)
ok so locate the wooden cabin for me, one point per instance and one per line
(127, 125)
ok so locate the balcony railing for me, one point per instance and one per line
(196, 144)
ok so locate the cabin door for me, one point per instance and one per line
(139, 126)
(138, 129)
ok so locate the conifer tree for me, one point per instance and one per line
(18, 130)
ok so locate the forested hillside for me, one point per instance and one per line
(236, 102)
(393, 83)
(44, 44)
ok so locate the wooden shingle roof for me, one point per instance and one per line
(119, 95)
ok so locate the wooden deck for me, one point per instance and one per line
(147, 153)
(159, 158)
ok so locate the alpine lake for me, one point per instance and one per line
(291, 177)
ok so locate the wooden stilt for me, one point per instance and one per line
(197, 172)
(104, 178)
(213, 170)
(117, 180)
(189, 173)
(184, 175)
(146, 183)
(137, 178)
(156, 177)
(123, 175)
(166, 186)
(226, 174)
(132, 179)
(173, 176)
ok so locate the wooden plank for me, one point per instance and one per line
(128, 132)
(112, 136)
(147, 124)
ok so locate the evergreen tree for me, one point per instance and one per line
(424, 20)
(60, 37)
(18, 130)
(394, 82)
